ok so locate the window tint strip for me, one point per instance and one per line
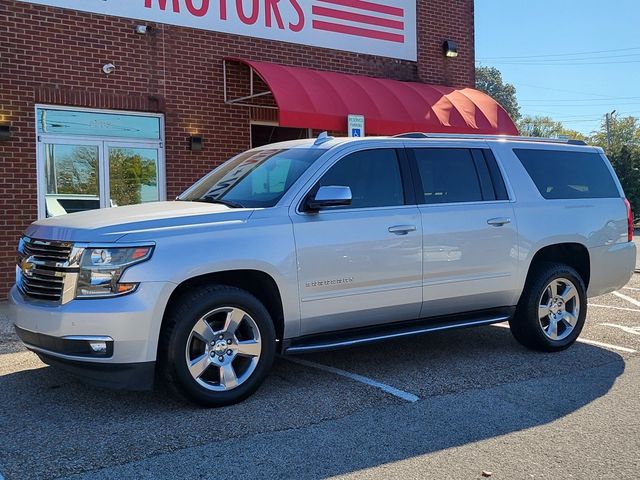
(483, 174)
(496, 176)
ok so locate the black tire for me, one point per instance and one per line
(526, 324)
(181, 318)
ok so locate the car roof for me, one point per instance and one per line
(325, 142)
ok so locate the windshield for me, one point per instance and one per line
(257, 178)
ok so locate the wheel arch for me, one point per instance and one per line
(573, 254)
(258, 283)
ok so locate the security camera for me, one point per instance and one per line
(108, 68)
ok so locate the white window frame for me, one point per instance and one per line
(103, 143)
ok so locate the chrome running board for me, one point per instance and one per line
(386, 332)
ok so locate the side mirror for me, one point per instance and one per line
(329, 197)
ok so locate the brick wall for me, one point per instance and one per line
(54, 56)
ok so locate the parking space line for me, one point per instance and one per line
(614, 308)
(628, 299)
(409, 397)
(631, 288)
(606, 345)
(631, 330)
(587, 341)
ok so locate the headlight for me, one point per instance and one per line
(101, 269)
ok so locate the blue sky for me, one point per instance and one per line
(541, 47)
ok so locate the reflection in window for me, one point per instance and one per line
(71, 175)
(133, 175)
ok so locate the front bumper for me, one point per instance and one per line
(129, 325)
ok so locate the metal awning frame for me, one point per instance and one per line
(246, 100)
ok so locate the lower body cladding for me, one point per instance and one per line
(105, 342)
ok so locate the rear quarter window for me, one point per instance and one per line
(562, 174)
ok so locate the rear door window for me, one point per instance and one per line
(562, 174)
(448, 175)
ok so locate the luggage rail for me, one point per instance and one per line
(567, 141)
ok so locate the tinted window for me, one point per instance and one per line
(448, 175)
(372, 175)
(561, 174)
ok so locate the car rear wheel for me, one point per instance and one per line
(218, 345)
(552, 310)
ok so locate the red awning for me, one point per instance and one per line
(322, 100)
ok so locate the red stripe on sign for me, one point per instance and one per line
(372, 7)
(357, 17)
(360, 32)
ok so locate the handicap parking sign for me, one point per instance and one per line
(355, 125)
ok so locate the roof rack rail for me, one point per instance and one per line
(568, 141)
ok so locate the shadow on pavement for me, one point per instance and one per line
(303, 423)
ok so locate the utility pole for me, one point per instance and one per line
(609, 118)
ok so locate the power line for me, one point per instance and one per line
(564, 54)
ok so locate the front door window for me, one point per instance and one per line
(92, 159)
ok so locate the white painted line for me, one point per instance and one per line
(631, 288)
(587, 341)
(614, 308)
(628, 299)
(409, 397)
(631, 330)
(607, 345)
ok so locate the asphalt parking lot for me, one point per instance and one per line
(446, 405)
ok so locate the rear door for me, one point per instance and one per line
(469, 231)
(361, 265)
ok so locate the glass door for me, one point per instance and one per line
(90, 159)
(71, 176)
(134, 173)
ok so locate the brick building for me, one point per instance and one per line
(87, 97)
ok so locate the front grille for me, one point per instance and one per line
(43, 267)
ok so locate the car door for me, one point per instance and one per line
(469, 231)
(361, 264)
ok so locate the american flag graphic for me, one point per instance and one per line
(361, 18)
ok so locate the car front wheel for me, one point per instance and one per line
(218, 345)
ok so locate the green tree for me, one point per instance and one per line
(621, 142)
(489, 80)
(546, 127)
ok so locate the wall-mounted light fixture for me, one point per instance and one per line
(196, 143)
(450, 49)
(5, 131)
(140, 29)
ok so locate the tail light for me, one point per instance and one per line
(629, 220)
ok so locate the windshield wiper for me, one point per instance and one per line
(219, 201)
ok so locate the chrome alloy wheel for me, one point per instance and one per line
(223, 349)
(558, 309)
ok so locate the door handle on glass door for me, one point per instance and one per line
(499, 221)
(402, 229)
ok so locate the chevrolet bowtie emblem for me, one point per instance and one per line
(27, 267)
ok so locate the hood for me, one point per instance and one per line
(111, 224)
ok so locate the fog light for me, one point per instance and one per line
(98, 347)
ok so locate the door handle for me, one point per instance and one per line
(402, 229)
(499, 221)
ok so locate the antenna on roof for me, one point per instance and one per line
(322, 138)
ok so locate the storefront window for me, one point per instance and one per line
(91, 160)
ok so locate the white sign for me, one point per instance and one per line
(355, 125)
(378, 27)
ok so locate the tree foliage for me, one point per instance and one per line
(77, 173)
(546, 127)
(622, 146)
(489, 80)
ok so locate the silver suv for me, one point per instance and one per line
(318, 244)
